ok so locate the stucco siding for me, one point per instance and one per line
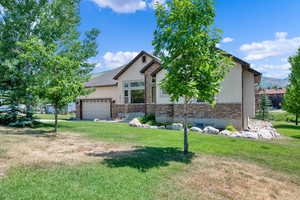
(131, 74)
(249, 96)
(231, 87)
(104, 92)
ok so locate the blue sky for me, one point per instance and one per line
(262, 32)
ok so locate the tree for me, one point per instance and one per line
(292, 101)
(185, 40)
(292, 97)
(21, 20)
(64, 67)
(265, 104)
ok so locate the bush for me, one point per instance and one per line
(231, 128)
(282, 116)
(148, 119)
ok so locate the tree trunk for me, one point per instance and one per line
(186, 144)
(297, 119)
(55, 119)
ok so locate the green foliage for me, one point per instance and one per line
(292, 96)
(264, 105)
(185, 41)
(149, 118)
(41, 54)
(231, 128)
(282, 116)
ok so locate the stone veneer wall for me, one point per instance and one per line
(199, 114)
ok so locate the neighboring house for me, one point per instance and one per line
(134, 90)
(275, 95)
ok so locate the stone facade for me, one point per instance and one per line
(198, 114)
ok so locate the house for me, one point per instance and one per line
(134, 90)
(275, 96)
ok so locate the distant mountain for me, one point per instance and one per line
(267, 82)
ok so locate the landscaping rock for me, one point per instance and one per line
(95, 120)
(196, 129)
(226, 133)
(135, 123)
(210, 130)
(175, 126)
(162, 127)
(250, 135)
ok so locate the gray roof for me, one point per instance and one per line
(105, 78)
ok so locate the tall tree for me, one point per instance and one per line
(185, 40)
(20, 20)
(292, 97)
(64, 67)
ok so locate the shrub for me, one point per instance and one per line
(231, 128)
(148, 119)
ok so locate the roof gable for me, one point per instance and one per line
(132, 62)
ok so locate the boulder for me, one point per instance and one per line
(162, 127)
(175, 126)
(266, 134)
(95, 120)
(249, 134)
(196, 129)
(135, 123)
(226, 132)
(210, 130)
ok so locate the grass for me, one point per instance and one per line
(51, 116)
(271, 154)
(288, 129)
(145, 173)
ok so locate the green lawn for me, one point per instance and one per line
(51, 116)
(144, 175)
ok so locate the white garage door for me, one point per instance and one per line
(95, 109)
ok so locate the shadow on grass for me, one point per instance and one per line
(38, 129)
(290, 127)
(145, 158)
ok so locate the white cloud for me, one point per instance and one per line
(227, 40)
(112, 60)
(152, 4)
(270, 48)
(122, 6)
(274, 71)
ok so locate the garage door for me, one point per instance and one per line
(96, 109)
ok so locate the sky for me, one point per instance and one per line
(264, 33)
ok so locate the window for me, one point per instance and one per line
(137, 84)
(163, 93)
(126, 96)
(125, 84)
(137, 96)
(134, 92)
(144, 59)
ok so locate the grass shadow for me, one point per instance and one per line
(145, 158)
(290, 127)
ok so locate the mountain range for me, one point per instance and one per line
(267, 82)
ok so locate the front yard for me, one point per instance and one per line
(92, 160)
